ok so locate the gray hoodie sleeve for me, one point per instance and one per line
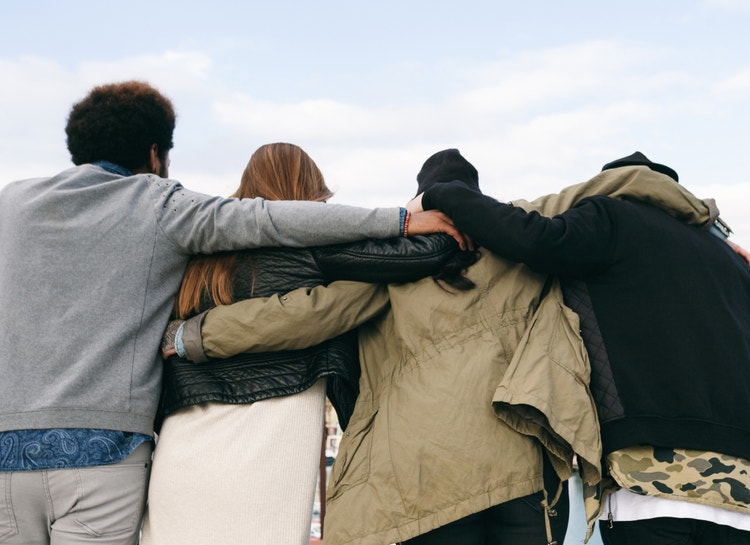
(198, 223)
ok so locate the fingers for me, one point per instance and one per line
(434, 221)
(464, 241)
(740, 251)
(168, 340)
(167, 353)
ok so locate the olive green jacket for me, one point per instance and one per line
(425, 446)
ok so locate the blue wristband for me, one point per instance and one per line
(402, 221)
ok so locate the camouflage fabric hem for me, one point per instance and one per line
(702, 477)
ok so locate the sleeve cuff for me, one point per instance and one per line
(191, 339)
(179, 346)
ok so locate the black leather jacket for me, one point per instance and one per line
(246, 378)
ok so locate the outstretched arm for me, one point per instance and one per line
(299, 319)
(576, 242)
(198, 223)
(637, 183)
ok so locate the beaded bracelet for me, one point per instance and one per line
(406, 223)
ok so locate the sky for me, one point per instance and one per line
(537, 94)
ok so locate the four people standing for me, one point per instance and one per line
(93, 258)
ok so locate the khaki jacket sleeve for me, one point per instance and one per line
(299, 319)
(637, 183)
(545, 391)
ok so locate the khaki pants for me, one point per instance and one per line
(100, 504)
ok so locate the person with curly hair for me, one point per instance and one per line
(92, 259)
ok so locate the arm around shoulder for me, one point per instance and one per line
(397, 259)
(198, 223)
(299, 319)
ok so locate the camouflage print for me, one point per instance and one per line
(594, 496)
(702, 477)
(690, 475)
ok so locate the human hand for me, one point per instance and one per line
(434, 221)
(167, 341)
(740, 251)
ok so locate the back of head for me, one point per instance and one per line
(443, 167)
(277, 171)
(119, 122)
(638, 159)
(447, 166)
(282, 171)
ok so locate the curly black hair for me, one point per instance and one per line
(119, 122)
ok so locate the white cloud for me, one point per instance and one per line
(323, 120)
(596, 70)
(531, 122)
(37, 94)
(178, 71)
(514, 106)
(735, 86)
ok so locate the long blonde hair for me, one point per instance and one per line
(275, 172)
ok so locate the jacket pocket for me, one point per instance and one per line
(352, 465)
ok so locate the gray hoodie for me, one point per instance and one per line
(90, 265)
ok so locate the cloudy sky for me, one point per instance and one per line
(538, 94)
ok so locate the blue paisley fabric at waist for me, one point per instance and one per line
(29, 450)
